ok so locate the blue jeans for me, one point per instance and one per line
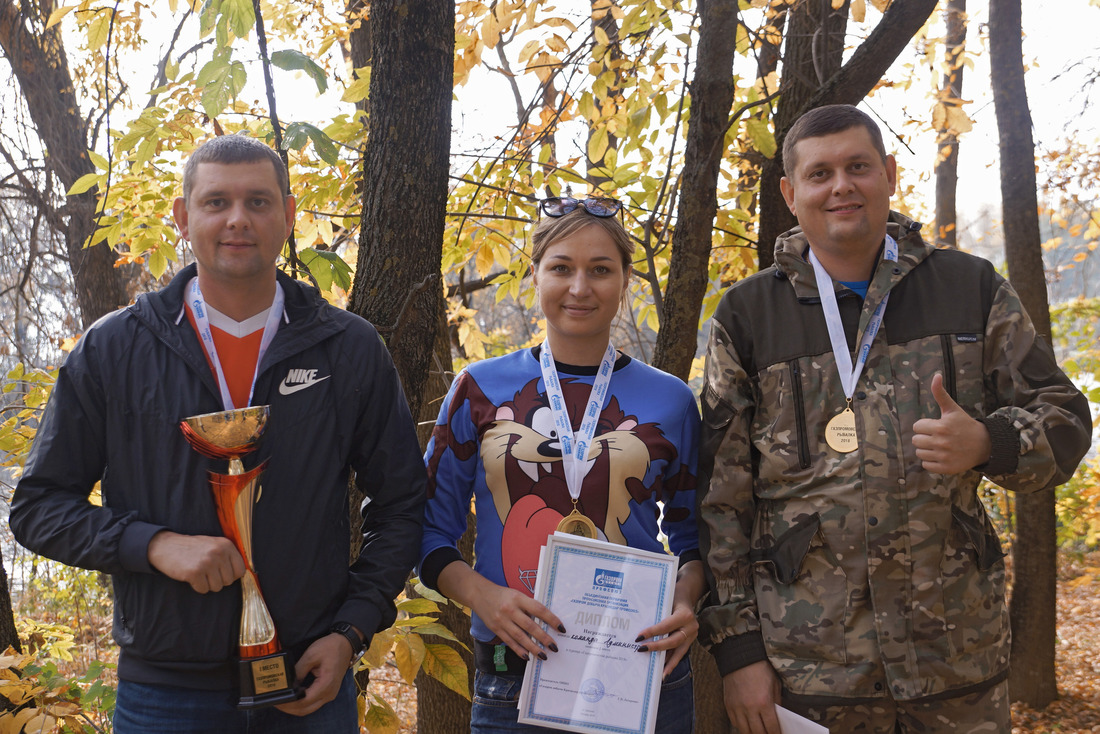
(496, 704)
(141, 708)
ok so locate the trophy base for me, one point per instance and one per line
(267, 681)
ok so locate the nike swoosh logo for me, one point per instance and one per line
(285, 389)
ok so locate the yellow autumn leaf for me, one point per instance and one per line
(408, 653)
(859, 10)
(443, 663)
(379, 718)
(379, 649)
(57, 15)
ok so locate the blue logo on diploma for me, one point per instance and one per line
(592, 690)
(605, 580)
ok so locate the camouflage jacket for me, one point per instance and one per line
(861, 575)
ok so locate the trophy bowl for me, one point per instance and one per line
(231, 431)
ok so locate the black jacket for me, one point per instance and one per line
(336, 405)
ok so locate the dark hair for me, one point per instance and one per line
(232, 149)
(553, 229)
(821, 121)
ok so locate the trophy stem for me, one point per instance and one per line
(257, 627)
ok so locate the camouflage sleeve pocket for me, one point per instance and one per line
(717, 412)
(786, 553)
(980, 536)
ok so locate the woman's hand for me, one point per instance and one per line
(681, 627)
(680, 630)
(510, 614)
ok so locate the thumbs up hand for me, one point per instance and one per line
(952, 443)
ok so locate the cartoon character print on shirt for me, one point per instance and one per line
(525, 473)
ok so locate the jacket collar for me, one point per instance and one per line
(306, 322)
(791, 251)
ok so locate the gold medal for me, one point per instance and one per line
(577, 524)
(840, 432)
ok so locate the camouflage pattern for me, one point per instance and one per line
(865, 575)
(984, 712)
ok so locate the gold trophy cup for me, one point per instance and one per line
(266, 677)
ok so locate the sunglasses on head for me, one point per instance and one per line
(597, 206)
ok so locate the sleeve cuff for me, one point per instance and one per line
(133, 546)
(734, 653)
(434, 563)
(1004, 458)
(690, 555)
(366, 618)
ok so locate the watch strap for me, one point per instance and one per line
(358, 649)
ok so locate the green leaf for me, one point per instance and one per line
(82, 184)
(221, 80)
(443, 663)
(240, 15)
(292, 60)
(761, 136)
(327, 268)
(295, 137)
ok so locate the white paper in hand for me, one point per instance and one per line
(792, 723)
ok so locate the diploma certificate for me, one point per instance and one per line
(604, 594)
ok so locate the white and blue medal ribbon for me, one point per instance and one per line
(840, 432)
(202, 321)
(574, 446)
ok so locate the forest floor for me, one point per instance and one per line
(1077, 655)
(1077, 663)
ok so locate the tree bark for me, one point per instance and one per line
(711, 101)
(947, 143)
(851, 83)
(38, 60)
(9, 637)
(814, 49)
(397, 281)
(405, 170)
(1032, 607)
(440, 710)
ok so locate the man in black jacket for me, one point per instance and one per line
(335, 406)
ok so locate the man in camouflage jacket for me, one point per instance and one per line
(870, 582)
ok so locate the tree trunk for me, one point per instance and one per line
(711, 101)
(440, 710)
(405, 170)
(947, 153)
(8, 636)
(814, 46)
(1032, 609)
(37, 58)
(850, 84)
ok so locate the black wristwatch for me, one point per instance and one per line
(358, 649)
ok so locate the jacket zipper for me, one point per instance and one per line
(948, 366)
(800, 415)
